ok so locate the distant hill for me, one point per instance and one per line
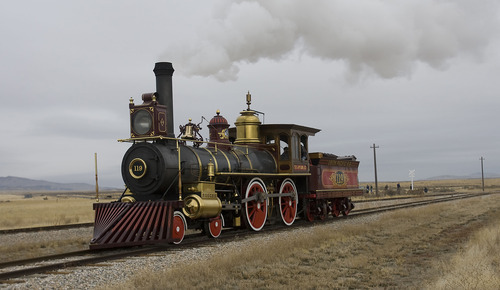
(10, 183)
(476, 175)
(470, 176)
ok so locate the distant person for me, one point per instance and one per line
(284, 155)
(303, 152)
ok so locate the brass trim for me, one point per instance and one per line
(179, 182)
(132, 164)
(246, 156)
(228, 162)
(237, 221)
(262, 174)
(199, 161)
(153, 138)
(275, 161)
(213, 158)
(197, 207)
(128, 199)
(339, 189)
(237, 157)
(211, 170)
(315, 155)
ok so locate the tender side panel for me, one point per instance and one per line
(332, 178)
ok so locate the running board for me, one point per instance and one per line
(125, 224)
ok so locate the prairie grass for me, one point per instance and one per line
(43, 245)
(16, 211)
(433, 186)
(39, 212)
(44, 210)
(476, 266)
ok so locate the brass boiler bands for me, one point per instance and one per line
(195, 161)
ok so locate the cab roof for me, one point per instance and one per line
(278, 128)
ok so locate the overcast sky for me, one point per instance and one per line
(418, 78)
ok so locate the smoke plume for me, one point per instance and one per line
(386, 38)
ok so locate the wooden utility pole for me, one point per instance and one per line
(375, 165)
(96, 183)
(482, 171)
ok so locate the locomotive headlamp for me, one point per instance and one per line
(148, 119)
(142, 121)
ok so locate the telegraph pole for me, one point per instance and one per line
(96, 185)
(375, 165)
(482, 171)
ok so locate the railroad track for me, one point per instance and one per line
(407, 197)
(16, 269)
(412, 203)
(46, 228)
(86, 225)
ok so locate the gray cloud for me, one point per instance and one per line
(422, 78)
(382, 38)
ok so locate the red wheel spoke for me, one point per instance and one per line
(287, 213)
(288, 205)
(178, 227)
(213, 227)
(255, 210)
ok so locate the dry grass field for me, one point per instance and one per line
(433, 186)
(443, 246)
(22, 210)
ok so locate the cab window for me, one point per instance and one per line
(269, 140)
(303, 147)
(284, 147)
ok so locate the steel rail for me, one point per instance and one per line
(408, 197)
(46, 228)
(412, 203)
(385, 208)
(100, 255)
(65, 264)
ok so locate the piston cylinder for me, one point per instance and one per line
(197, 207)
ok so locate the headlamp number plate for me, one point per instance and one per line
(137, 168)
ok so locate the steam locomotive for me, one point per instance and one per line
(243, 176)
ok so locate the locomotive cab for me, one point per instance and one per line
(287, 142)
(290, 143)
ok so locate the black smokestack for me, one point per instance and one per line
(163, 72)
